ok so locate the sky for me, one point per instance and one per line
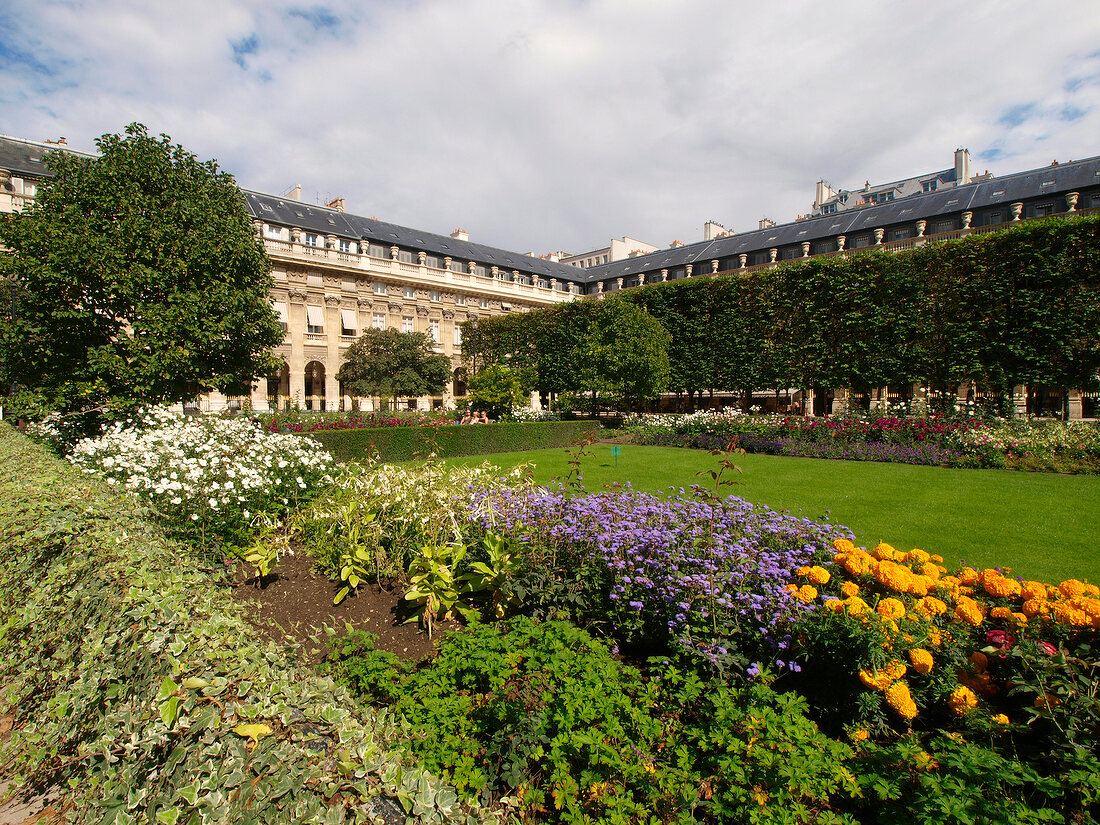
(556, 125)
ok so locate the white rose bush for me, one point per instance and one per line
(209, 478)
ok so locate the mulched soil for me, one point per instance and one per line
(293, 603)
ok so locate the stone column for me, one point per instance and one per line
(878, 236)
(1071, 201)
(1016, 209)
(334, 324)
(967, 217)
(1073, 403)
(258, 396)
(296, 362)
(840, 401)
(1019, 400)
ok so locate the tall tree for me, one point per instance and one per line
(626, 355)
(385, 363)
(135, 277)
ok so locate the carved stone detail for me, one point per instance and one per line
(332, 300)
(449, 314)
(395, 309)
(297, 295)
(422, 312)
(365, 303)
(878, 235)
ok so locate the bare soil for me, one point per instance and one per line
(293, 603)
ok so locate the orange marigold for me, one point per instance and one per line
(806, 593)
(849, 589)
(962, 700)
(999, 719)
(969, 611)
(1088, 605)
(917, 556)
(855, 605)
(968, 575)
(1092, 590)
(930, 570)
(979, 660)
(931, 606)
(802, 571)
(1033, 590)
(1001, 587)
(884, 551)
(843, 546)
(1071, 587)
(881, 679)
(818, 575)
(1000, 613)
(900, 700)
(921, 659)
(1067, 613)
(890, 609)
(893, 575)
(1035, 607)
(937, 558)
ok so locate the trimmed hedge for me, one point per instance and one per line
(136, 687)
(404, 443)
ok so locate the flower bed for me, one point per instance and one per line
(958, 441)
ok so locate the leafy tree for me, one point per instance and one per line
(496, 389)
(134, 277)
(389, 364)
(626, 354)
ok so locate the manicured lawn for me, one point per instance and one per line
(1041, 525)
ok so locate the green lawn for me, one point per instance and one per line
(1041, 525)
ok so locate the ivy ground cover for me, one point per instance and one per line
(1041, 524)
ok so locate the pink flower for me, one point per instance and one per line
(1000, 639)
(1048, 648)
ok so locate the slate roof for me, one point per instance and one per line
(1050, 180)
(326, 221)
(27, 157)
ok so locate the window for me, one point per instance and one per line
(379, 289)
(312, 240)
(347, 246)
(433, 331)
(483, 303)
(376, 250)
(996, 217)
(458, 335)
(315, 320)
(460, 300)
(409, 292)
(407, 325)
(349, 321)
(435, 296)
(280, 310)
(902, 234)
(405, 256)
(929, 185)
(277, 233)
(1041, 210)
(378, 320)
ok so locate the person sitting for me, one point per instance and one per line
(468, 417)
(483, 418)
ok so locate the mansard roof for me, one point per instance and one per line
(326, 221)
(27, 158)
(1049, 180)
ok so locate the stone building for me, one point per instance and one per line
(337, 273)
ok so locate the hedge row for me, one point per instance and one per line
(404, 443)
(1015, 307)
(135, 686)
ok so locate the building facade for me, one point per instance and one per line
(337, 274)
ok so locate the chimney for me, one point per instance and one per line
(765, 223)
(963, 172)
(712, 230)
(295, 194)
(824, 193)
(337, 204)
(460, 234)
(675, 244)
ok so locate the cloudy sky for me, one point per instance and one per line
(543, 125)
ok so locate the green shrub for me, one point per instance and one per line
(405, 443)
(136, 686)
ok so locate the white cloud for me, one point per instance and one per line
(544, 125)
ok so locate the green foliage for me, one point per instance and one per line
(135, 275)
(495, 389)
(385, 363)
(625, 355)
(359, 552)
(136, 686)
(999, 309)
(404, 443)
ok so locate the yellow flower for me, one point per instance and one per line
(1001, 587)
(855, 605)
(900, 700)
(968, 575)
(802, 571)
(962, 700)
(881, 679)
(930, 606)
(1068, 613)
(1071, 587)
(860, 735)
(1033, 590)
(849, 589)
(806, 593)
(895, 576)
(930, 570)
(843, 546)
(1000, 719)
(937, 559)
(1035, 607)
(969, 611)
(890, 609)
(918, 556)
(884, 551)
(921, 659)
(818, 575)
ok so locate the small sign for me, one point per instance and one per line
(616, 451)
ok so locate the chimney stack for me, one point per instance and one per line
(963, 172)
(460, 234)
(337, 204)
(295, 194)
(765, 223)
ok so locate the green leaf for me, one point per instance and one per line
(169, 711)
(167, 688)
